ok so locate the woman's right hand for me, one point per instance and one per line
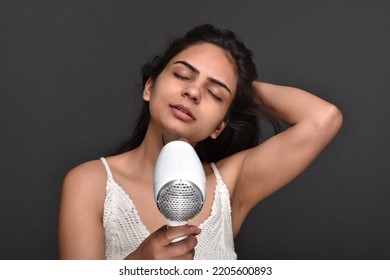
(159, 246)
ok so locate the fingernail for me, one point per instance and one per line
(195, 229)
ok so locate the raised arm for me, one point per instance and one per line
(271, 165)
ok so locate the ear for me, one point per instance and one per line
(147, 89)
(218, 130)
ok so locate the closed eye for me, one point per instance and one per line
(180, 76)
(215, 96)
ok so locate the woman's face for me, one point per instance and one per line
(192, 94)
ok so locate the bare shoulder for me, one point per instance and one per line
(80, 228)
(88, 173)
(86, 181)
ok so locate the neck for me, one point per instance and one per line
(150, 147)
(155, 139)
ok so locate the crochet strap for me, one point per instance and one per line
(216, 172)
(109, 174)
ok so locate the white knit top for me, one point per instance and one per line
(124, 230)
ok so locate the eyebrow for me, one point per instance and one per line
(196, 71)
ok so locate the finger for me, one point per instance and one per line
(176, 232)
(184, 249)
(160, 236)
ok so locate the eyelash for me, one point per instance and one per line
(186, 79)
(215, 96)
(180, 77)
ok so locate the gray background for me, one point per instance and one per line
(70, 71)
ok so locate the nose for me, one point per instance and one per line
(192, 92)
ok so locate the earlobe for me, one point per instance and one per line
(218, 130)
(147, 89)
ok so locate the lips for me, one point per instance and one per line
(183, 112)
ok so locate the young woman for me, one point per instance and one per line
(204, 89)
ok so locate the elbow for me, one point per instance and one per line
(331, 120)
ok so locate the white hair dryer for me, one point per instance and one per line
(179, 183)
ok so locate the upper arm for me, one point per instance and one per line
(80, 229)
(271, 165)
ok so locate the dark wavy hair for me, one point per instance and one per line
(243, 129)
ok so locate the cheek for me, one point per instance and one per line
(213, 118)
(217, 113)
(154, 104)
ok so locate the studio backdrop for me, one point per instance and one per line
(70, 92)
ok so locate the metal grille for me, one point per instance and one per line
(179, 200)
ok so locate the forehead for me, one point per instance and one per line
(210, 60)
